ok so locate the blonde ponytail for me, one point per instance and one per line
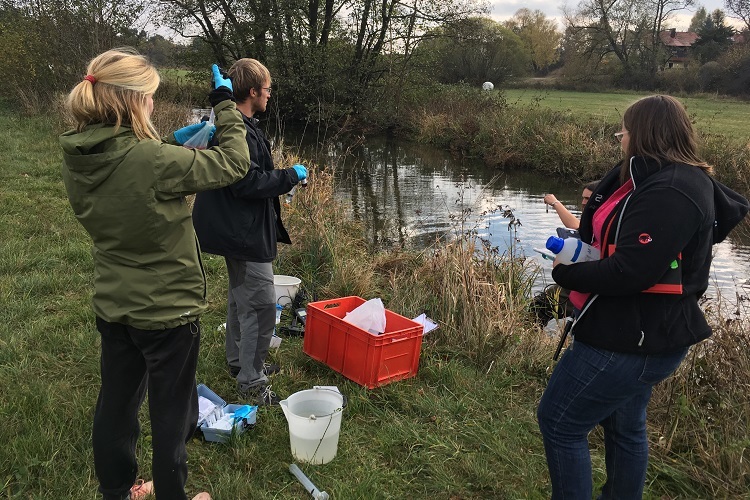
(115, 91)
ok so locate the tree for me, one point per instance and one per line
(715, 37)
(539, 36)
(331, 51)
(736, 64)
(47, 43)
(476, 50)
(696, 22)
(740, 9)
(624, 30)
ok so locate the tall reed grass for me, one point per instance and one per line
(702, 413)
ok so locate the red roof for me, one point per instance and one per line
(680, 38)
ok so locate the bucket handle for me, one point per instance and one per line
(343, 396)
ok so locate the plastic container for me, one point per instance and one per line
(200, 139)
(368, 359)
(314, 418)
(571, 250)
(290, 195)
(222, 408)
(286, 288)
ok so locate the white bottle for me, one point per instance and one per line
(290, 195)
(571, 250)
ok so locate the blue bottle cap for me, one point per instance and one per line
(554, 244)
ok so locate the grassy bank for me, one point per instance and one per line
(566, 134)
(463, 428)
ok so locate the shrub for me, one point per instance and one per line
(482, 124)
(709, 76)
(736, 62)
(678, 80)
(182, 90)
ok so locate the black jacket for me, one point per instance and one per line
(243, 221)
(675, 210)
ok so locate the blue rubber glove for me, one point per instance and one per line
(301, 171)
(221, 80)
(185, 133)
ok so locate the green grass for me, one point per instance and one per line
(463, 428)
(173, 73)
(712, 114)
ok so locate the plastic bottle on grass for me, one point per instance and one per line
(571, 250)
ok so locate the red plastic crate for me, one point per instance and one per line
(368, 359)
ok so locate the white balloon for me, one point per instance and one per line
(487, 86)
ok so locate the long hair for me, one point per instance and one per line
(659, 128)
(123, 80)
(246, 74)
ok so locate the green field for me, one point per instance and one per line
(711, 114)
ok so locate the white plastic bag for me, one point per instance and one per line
(200, 139)
(369, 316)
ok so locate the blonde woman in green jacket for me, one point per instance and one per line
(127, 188)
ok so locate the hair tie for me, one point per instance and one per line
(90, 78)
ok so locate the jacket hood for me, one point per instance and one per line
(93, 154)
(731, 208)
(642, 167)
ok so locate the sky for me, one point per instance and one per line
(504, 9)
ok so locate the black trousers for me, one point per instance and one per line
(164, 361)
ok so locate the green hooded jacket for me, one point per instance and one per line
(129, 195)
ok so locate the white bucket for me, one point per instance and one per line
(286, 288)
(314, 418)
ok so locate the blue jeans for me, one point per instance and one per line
(593, 386)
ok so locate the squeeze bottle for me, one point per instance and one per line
(571, 250)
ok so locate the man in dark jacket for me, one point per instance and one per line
(242, 222)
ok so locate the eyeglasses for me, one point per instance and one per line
(619, 135)
(267, 89)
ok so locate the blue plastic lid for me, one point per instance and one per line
(554, 244)
(242, 411)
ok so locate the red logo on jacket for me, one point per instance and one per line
(644, 238)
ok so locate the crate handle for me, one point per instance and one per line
(331, 306)
(400, 339)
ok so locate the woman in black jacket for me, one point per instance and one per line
(654, 219)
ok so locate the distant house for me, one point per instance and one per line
(678, 45)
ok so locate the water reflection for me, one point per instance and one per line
(408, 194)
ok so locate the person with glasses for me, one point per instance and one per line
(242, 222)
(654, 218)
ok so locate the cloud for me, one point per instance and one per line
(502, 10)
